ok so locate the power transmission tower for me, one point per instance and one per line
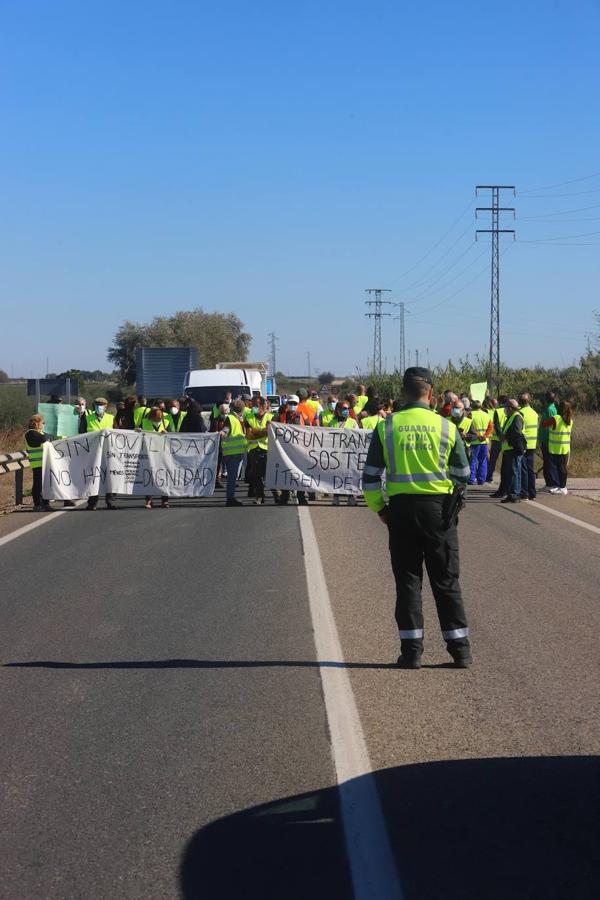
(400, 318)
(377, 314)
(495, 209)
(273, 354)
(308, 364)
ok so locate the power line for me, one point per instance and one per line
(562, 212)
(461, 288)
(549, 187)
(435, 246)
(558, 196)
(567, 237)
(443, 287)
(424, 278)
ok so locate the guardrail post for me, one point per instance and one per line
(19, 487)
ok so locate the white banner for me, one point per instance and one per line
(325, 460)
(130, 462)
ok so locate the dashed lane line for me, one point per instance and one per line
(372, 867)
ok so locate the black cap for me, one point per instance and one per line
(416, 374)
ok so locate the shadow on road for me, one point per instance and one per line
(482, 829)
(204, 664)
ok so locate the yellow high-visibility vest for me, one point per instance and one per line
(559, 437)
(235, 443)
(530, 426)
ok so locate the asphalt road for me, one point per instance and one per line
(164, 732)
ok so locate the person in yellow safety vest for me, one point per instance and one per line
(257, 425)
(314, 404)
(481, 423)
(498, 414)
(234, 446)
(360, 399)
(530, 430)
(142, 409)
(559, 443)
(344, 420)
(464, 424)
(423, 458)
(35, 438)
(374, 414)
(155, 422)
(513, 448)
(98, 419)
(175, 415)
(327, 418)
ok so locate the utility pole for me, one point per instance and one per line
(495, 209)
(400, 318)
(376, 314)
(273, 355)
(416, 357)
(308, 364)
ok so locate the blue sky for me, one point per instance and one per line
(276, 159)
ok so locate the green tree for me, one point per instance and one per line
(4, 379)
(326, 377)
(218, 337)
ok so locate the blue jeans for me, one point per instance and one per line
(528, 474)
(514, 486)
(233, 466)
(479, 463)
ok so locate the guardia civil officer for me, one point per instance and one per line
(423, 457)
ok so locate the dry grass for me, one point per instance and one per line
(10, 441)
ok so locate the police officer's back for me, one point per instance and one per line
(423, 458)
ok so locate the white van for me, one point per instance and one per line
(209, 386)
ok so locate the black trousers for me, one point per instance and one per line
(561, 464)
(495, 447)
(550, 473)
(418, 534)
(257, 467)
(36, 487)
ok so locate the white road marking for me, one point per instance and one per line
(374, 874)
(48, 517)
(561, 515)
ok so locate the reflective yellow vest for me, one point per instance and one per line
(416, 447)
(36, 454)
(148, 425)
(501, 413)
(93, 423)
(255, 422)
(347, 423)
(559, 437)
(171, 421)
(506, 426)
(370, 421)
(480, 419)
(360, 404)
(530, 426)
(328, 419)
(139, 413)
(235, 444)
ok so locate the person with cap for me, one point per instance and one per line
(97, 420)
(304, 408)
(315, 404)
(290, 414)
(234, 446)
(423, 458)
(530, 430)
(513, 448)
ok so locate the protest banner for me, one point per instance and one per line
(478, 391)
(59, 419)
(130, 463)
(328, 460)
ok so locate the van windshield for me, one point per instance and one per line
(212, 395)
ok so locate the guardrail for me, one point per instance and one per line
(15, 462)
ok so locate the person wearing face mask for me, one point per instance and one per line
(155, 423)
(258, 424)
(175, 415)
(234, 445)
(216, 424)
(343, 420)
(464, 425)
(327, 418)
(80, 411)
(97, 420)
(291, 414)
(35, 438)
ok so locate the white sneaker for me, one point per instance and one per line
(562, 491)
(554, 490)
